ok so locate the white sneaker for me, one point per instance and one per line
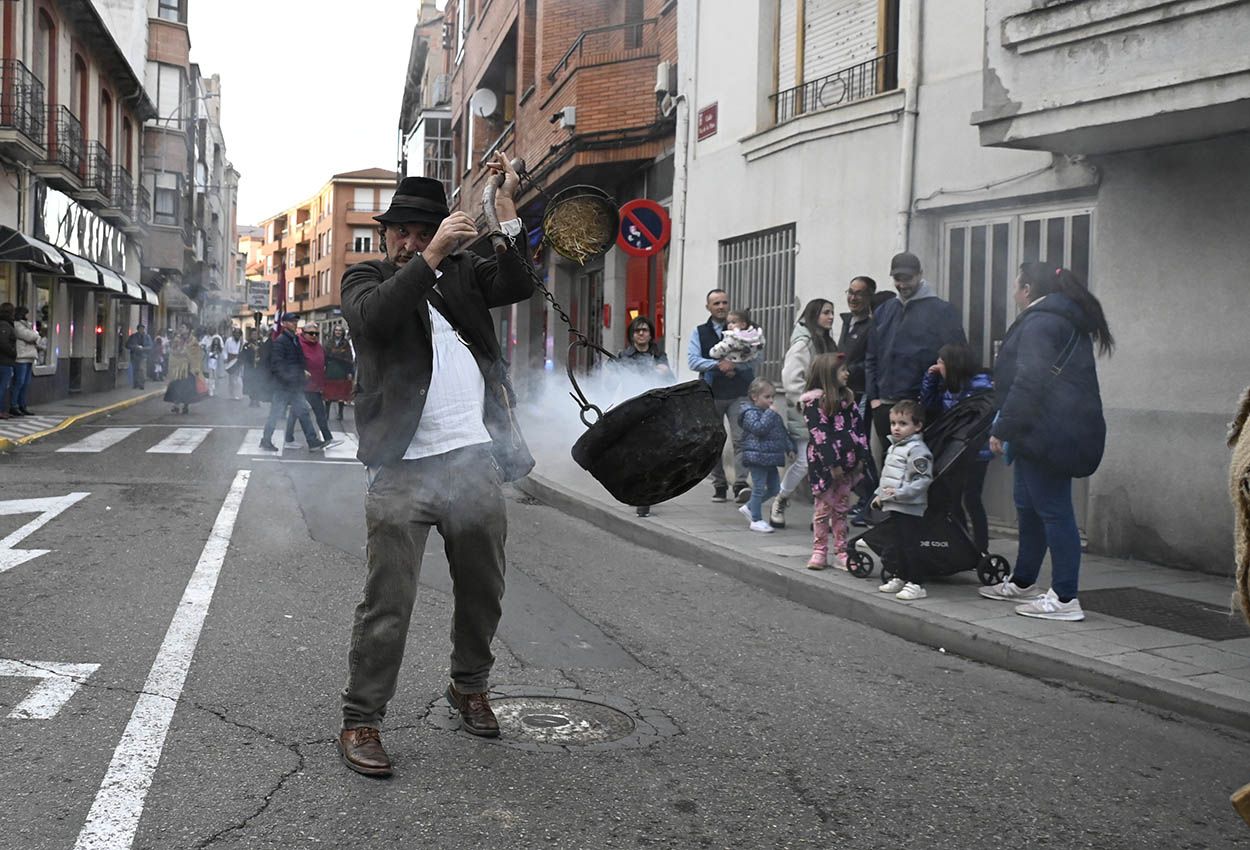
(746, 512)
(911, 592)
(1007, 591)
(1048, 607)
(290, 444)
(894, 585)
(761, 526)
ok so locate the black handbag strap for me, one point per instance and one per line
(1065, 355)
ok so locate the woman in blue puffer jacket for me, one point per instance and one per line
(765, 443)
(1050, 423)
(954, 377)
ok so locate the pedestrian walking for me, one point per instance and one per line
(729, 382)
(903, 493)
(29, 344)
(906, 334)
(836, 449)
(1051, 428)
(810, 338)
(187, 383)
(954, 377)
(340, 367)
(8, 359)
(765, 443)
(645, 361)
(315, 368)
(212, 363)
(233, 365)
(255, 369)
(438, 436)
(138, 344)
(742, 340)
(156, 362)
(289, 375)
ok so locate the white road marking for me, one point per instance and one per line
(251, 443)
(298, 460)
(181, 442)
(99, 441)
(345, 450)
(48, 509)
(114, 816)
(57, 683)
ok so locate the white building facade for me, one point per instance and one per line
(818, 137)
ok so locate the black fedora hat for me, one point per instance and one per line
(420, 199)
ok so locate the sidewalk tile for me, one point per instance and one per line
(1205, 655)
(1012, 623)
(1150, 637)
(1153, 665)
(1089, 644)
(1241, 646)
(1221, 683)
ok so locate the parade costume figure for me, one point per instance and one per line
(186, 370)
(437, 433)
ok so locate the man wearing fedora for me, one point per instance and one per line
(437, 435)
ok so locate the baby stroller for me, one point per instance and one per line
(946, 545)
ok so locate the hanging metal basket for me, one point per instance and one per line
(581, 222)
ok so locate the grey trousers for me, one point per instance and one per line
(731, 407)
(459, 494)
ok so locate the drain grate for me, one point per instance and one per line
(1163, 611)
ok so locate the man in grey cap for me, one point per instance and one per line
(437, 435)
(906, 335)
(288, 372)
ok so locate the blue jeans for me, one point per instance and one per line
(6, 378)
(1046, 520)
(137, 372)
(21, 383)
(765, 483)
(299, 406)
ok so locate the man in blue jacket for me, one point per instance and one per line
(729, 382)
(286, 367)
(906, 335)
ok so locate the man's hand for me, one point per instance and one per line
(726, 367)
(505, 207)
(875, 403)
(454, 230)
(996, 445)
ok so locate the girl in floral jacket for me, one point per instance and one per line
(835, 454)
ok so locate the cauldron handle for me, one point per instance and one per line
(577, 395)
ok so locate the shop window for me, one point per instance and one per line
(42, 318)
(103, 330)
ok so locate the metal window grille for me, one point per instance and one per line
(757, 270)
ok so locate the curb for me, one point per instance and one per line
(7, 444)
(913, 624)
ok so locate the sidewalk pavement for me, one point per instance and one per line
(1206, 677)
(60, 414)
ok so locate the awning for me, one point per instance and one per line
(138, 292)
(17, 247)
(175, 299)
(79, 269)
(111, 279)
(148, 295)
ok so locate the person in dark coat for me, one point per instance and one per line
(8, 357)
(646, 361)
(863, 299)
(288, 373)
(255, 370)
(138, 344)
(907, 332)
(340, 366)
(1050, 426)
(434, 417)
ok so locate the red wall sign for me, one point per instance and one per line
(708, 117)
(645, 228)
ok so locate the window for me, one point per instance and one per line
(78, 92)
(103, 329)
(439, 161)
(362, 240)
(42, 319)
(170, 10)
(633, 15)
(362, 199)
(983, 255)
(105, 127)
(45, 55)
(166, 84)
(165, 203)
(757, 270)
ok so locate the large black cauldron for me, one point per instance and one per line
(654, 446)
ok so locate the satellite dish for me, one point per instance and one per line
(483, 103)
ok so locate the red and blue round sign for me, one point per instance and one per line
(645, 228)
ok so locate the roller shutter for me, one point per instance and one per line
(840, 34)
(787, 43)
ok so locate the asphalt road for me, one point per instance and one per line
(777, 726)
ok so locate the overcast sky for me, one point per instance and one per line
(310, 88)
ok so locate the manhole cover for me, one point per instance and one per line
(1165, 611)
(563, 719)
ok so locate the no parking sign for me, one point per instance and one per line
(645, 228)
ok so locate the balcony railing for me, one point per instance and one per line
(370, 208)
(65, 146)
(99, 172)
(22, 100)
(123, 190)
(846, 86)
(615, 38)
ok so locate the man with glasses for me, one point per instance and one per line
(906, 334)
(289, 372)
(862, 297)
(315, 367)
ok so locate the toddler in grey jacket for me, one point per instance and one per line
(906, 475)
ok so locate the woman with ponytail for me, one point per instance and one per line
(1050, 425)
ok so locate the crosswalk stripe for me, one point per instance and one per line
(182, 442)
(99, 441)
(251, 443)
(345, 450)
(22, 425)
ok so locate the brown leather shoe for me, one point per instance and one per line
(362, 751)
(476, 716)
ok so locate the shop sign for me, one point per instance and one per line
(258, 294)
(67, 224)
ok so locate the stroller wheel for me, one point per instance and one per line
(860, 563)
(992, 569)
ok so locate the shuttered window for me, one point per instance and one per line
(839, 34)
(787, 44)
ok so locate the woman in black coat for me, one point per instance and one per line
(1050, 425)
(644, 358)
